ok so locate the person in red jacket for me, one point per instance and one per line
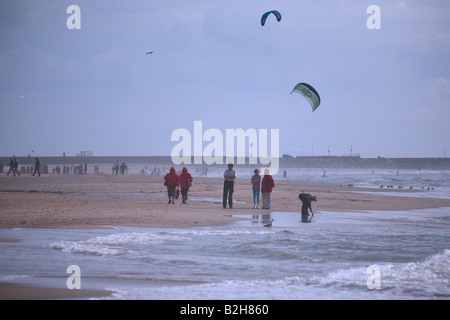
(172, 180)
(185, 182)
(267, 185)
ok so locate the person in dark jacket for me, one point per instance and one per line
(13, 166)
(37, 167)
(228, 186)
(306, 199)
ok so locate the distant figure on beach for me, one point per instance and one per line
(185, 183)
(267, 186)
(306, 199)
(172, 180)
(16, 165)
(13, 166)
(256, 187)
(228, 186)
(123, 166)
(116, 167)
(285, 175)
(37, 167)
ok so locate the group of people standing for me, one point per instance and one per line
(119, 166)
(260, 186)
(173, 180)
(264, 186)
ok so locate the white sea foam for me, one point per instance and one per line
(340, 284)
(114, 244)
(223, 231)
(117, 243)
(433, 272)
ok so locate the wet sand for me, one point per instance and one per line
(60, 201)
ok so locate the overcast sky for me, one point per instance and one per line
(384, 92)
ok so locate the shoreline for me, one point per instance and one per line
(99, 201)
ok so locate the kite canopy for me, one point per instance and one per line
(265, 15)
(309, 93)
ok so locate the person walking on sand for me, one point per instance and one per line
(16, 166)
(256, 186)
(116, 167)
(185, 183)
(37, 167)
(267, 186)
(172, 180)
(306, 199)
(228, 186)
(11, 167)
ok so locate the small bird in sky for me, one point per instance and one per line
(150, 52)
(20, 97)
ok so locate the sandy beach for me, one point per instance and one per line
(92, 201)
(101, 201)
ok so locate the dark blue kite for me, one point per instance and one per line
(265, 15)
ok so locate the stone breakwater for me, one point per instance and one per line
(319, 162)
